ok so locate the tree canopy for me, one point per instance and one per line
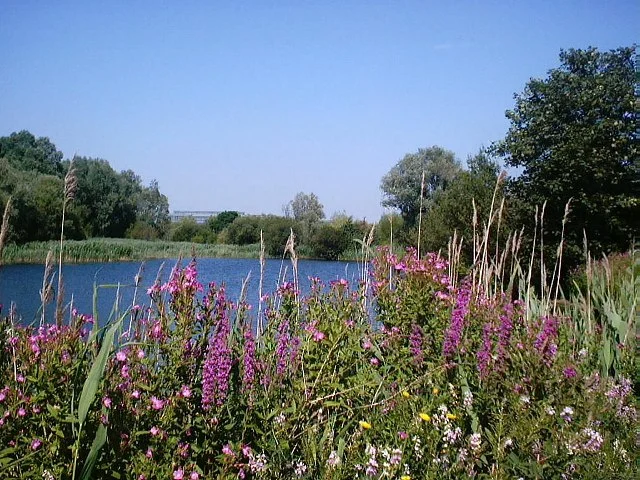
(572, 134)
(402, 185)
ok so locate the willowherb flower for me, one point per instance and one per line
(504, 333)
(156, 403)
(453, 335)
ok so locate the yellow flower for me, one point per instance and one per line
(424, 417)
(365, 425)
(405, 477)
(451, 416)
(405, 394)
(435, 390)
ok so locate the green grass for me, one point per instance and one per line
(116, 249)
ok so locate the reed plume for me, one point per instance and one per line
(70, 188)
(46, 294)
(4, 229)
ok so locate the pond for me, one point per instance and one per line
(20, 284)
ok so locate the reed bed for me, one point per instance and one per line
(115, 250)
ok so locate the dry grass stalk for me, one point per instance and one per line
(70, 188)
(46, 294)
(260, 324)
(420, 214)
(557, 269)
(364, 268)
(290, 249)
(4, 229)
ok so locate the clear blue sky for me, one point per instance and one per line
(239, 105)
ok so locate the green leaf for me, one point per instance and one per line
(92, 382)
(98, 442)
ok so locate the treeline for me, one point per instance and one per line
(106, 203)
(573, 140)
(324, 239)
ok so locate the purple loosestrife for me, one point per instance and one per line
(217, 365)
(415, 344)
(453, 335)
(484, 354)
(504, 333)
(249, 361)
(545, 341)
(283, 348)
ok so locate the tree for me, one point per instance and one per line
(402, 185)
(572, 134)
(307, 208)
(452, 209)
(308, 211)
(152, 210)
(222, 220)
(26, 152)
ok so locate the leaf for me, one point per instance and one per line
(98, 442)
(90, 386)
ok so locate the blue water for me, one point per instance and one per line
(20, 284)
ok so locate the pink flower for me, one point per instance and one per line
(318, 336)
(36, 444)
(106, 401)
(185, 391)
(403, 435)
(156, 403)
(121, 356)
(227, 450)
(135, 394)
(140, 353)
(149, 453)
(21, 412)
(194, 476)
(374, 361)
(154, 431)
(178, 474)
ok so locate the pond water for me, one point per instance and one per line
(20, 284)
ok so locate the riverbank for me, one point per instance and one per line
(119, 249)
(124, 249)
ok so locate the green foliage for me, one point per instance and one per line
(222, 221)
(452, 209)
(186, 230)
(402, 185)
(572, 134)
(25, 152)
(445, 383)
(106, 203)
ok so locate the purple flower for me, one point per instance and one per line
(185, 391)
(415, 344)
(106, 401)
(178, 474)
(504, 333)
(217, 365)
(570, 372)
(121, 356)
(453, 336)
(544, 342)
(484, 354)
(249, 361)
(36, 444)
(156, 403)
(283, 348)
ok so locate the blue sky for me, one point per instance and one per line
(240, 105)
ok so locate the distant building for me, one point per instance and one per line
(200, 216)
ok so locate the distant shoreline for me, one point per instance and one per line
(108, 250)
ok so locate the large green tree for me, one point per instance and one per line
(572, 135)
(24, 152)
(402, 185)
(453, 209)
